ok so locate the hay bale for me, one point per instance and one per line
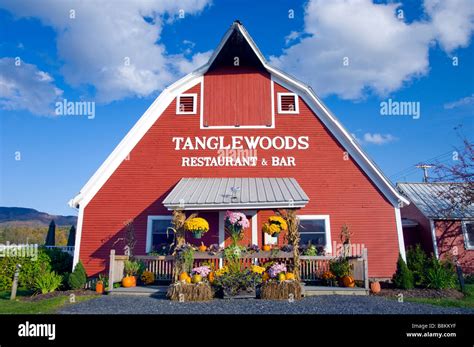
(191, 292)
(273, 290)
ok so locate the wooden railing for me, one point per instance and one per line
(311, 269)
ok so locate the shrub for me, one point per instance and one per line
(340, 267)
(61, 262)
(77, 279)
(31, 268)
(440, 274)
(417, 262)
(469, 279)
(48, 282)
(403, 278)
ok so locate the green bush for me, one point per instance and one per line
(77, 279)
(61, 262)
(417, 262)
(48, 282)
(440, 274)
(31, 268)
(340, 267)
(403, 278)
(469, 279)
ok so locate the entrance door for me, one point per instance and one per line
(249, 234)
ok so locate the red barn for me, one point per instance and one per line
(238, 134)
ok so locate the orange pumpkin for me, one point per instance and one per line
(290, 276)
(267, 248)
(348, 281)
(129, 281)
(188, 279)
(265, 277)
(183, 276)
(375, 287)
(211, 277)
(202, 248)
(99, 287)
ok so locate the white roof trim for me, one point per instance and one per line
(167, 96)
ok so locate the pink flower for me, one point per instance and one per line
(275, 269)
(237, 218)
(202, 270)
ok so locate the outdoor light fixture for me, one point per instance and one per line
(234, 192)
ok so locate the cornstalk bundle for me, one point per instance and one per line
(190, 292)
(293, 238)
(179, 218)
(284, 290)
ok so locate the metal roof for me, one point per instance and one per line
(434, 200)
(236, 193)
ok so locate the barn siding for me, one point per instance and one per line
(336, 187)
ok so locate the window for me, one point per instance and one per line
(315, 229)
(186, 104)
(158, 235)
(288, 103)
(468, 231)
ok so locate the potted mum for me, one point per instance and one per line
(274, 226)
(235, 223)
(197, 226)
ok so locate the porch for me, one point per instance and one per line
(311, 270)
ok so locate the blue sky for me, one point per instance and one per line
(81, 58)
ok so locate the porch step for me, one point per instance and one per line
(320, 290)
(159, 291)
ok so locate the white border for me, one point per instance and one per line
(297, 103)
(466, 237)
(178, 102)
(149, 229)
(327, 227)
(401, 238)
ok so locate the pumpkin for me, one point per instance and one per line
(197, 278)
(129, 281)
(290, 276)
(211, 277)
(183, 276)
(281, 277)
(99, 287)
(202, 248)
(188, 279)
(348, 281)
(267, 248)
(375, 287)
(265, 277)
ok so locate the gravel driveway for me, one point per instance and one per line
(331, 304)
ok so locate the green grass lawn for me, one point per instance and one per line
(466, 302)
(20, 306)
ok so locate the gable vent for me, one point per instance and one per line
(186, 104)
(288, 103)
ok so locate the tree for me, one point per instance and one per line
(77, 279)
(403, 278)
(51, 235)
(71, 240)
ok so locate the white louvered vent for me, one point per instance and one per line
(288, 103)
(186, 104)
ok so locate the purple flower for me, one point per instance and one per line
(237, 219)
(202, 270)
(275, 269)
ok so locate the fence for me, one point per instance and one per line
(311, 268)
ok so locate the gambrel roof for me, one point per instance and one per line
(169, 94)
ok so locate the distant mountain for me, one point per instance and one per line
(19, 216)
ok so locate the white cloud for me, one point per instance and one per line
(468, 100)
(25, 87)
(378, 139)
(111, 46)
(383, 52)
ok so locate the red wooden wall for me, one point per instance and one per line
(336, 187)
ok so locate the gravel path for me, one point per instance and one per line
(331, 304)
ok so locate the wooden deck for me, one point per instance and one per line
(160, 291)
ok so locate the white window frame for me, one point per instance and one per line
(327, 227)
(178, 98)
(467, 246)
(149, 229)
(297, 103)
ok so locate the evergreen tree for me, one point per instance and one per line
(51, 235)
(71, 240)
(77, 279)
(403, 278)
